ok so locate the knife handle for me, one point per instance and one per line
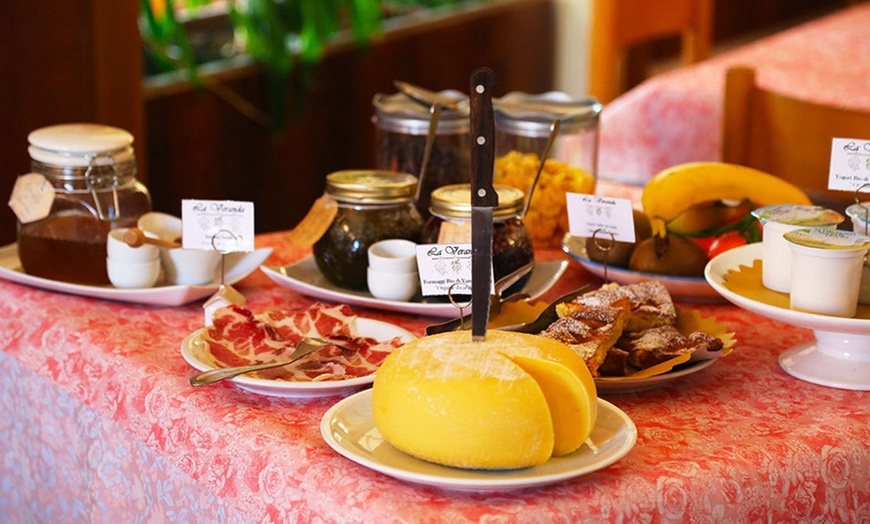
(482, 126)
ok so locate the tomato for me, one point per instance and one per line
(724, 242)
(704, 242)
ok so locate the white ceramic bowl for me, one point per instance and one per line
(185, 267)
(118, 250)
(133, 274)
(190, 267)
(393, 256)
(393, 286)
(160, 225)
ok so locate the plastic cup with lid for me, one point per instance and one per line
(859, 214)
(776, 254)
(826, 270)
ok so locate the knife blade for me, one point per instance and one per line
(483, 197)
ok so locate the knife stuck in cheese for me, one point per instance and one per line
(512, 401)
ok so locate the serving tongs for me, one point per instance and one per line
(540, 323)
(547, 316)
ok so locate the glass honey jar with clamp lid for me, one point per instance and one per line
(372, 206)
(89, 186)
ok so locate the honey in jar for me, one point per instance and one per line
(92, 169)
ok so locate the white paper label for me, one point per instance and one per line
(600, 216)
(444, 265)
(221, 225)
(850, 164)
(31, 198)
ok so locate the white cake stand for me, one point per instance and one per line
(840, 355)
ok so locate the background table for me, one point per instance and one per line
(99, 424)
(676, 117)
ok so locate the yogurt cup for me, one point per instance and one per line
(859, 214)
(776, 254)
(826, 270)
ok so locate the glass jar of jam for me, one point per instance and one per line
(523, 124)
(450, 223)
(401, 131)
(92, 169)
(372, 206)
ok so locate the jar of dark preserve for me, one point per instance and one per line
(451, 223)
(401, 132)
(372, 206)
(92, 169)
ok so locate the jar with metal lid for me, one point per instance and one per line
(401, 130)
(523, 125)
(372, 206)
(92, 170)
(451, 223)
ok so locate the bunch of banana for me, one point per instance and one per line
(690, 220)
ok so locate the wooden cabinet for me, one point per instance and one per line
(71, 61)
(200, 147)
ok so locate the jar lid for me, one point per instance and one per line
(371, 186)
(532, 115)
(400, 114)
(79, 145)
(828, 239)
(454, 201)
(798, 215)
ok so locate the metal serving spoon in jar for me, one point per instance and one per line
(306, 346)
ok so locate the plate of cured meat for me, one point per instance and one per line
(240, 337)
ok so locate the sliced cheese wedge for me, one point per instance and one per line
(510, 402)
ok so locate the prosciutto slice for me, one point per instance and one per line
(239, 337)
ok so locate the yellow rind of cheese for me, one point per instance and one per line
(510, 402)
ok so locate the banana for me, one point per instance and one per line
(680, 187)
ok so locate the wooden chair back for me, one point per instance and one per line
(618, 25)
(786, 137)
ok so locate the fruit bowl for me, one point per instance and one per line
(690, 289)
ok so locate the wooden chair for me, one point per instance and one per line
(619, 25)
(786, 137)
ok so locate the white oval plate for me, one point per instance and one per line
(304, 277)
(238, 266)
(348, 427)
(631, 385)
(685, 288)
(194, 350)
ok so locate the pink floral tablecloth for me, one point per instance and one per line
(677, 117)
(99, 424)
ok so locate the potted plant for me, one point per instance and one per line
(286, 37)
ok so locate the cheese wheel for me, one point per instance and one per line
(512, 401)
